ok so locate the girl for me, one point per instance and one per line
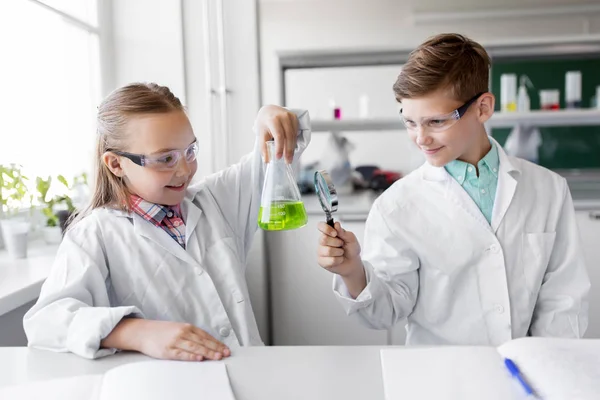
(153, 265)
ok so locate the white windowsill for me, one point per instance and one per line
(21, 280)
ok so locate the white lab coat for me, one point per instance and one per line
(113, 264)
(431, 256)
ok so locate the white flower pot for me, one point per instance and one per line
(15, 235)
(52, 234)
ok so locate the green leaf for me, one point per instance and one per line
(62, 180)
(43, 186)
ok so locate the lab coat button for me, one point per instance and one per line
(224, 331)
(494, 248)
(199, 271)
(499, 309)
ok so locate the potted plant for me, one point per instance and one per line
(14, 196)
(51, 231)
(57, 209)
(75, 188)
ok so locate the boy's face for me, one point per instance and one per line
(461, 140)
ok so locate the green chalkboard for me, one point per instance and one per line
(562, 147)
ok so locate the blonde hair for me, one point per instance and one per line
(449, 61)
(114, 113)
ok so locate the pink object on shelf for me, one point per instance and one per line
(337, 113)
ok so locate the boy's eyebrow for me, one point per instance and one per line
(167, 150)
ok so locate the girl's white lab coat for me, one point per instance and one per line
(113, 264)
(431, 256)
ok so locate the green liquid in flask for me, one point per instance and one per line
(285, 215)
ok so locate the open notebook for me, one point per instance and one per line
(557, 369)
(148, 380)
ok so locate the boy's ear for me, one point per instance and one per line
(486, 103)
(113, 163)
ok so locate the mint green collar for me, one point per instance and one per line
(459, 170)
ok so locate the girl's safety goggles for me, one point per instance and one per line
(163, 161)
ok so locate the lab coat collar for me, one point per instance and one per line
(161, 238)
(508, 177)
(440, 180)
(434, 174)
(191, 213)
(506, 164)
(439, 174)
(508, 174)
(146, 229)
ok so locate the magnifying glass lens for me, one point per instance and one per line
(327, 194)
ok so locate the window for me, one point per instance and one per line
(49, 85)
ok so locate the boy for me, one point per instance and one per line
(474, 247)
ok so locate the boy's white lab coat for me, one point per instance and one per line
(431, 256)
(113, 264)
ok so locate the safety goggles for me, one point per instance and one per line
(163, 161)
(441, 122)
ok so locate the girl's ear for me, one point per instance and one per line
(113, 163)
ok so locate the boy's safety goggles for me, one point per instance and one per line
(163, 161)
(441, 122)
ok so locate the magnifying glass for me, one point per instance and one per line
(327, 194)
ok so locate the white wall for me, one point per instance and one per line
(293, 25)
(148, 43)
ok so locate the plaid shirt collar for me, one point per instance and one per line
(153, 213)
(167, 218)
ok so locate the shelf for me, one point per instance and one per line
(541, 118)
(346, 125)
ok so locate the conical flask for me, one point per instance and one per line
(281, 207)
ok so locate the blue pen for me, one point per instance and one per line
(514, 371)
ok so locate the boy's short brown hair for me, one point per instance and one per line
(449, 61)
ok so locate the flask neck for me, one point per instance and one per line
(271, 152)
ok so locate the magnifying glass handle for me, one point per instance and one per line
(330, 222)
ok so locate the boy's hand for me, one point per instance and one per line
(274, 122)
(166, 340)
(339, 252)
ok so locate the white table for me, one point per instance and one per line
(255, 373)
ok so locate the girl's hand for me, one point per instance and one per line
(274, 122)
(166, 340)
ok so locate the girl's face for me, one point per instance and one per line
(155, 137)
